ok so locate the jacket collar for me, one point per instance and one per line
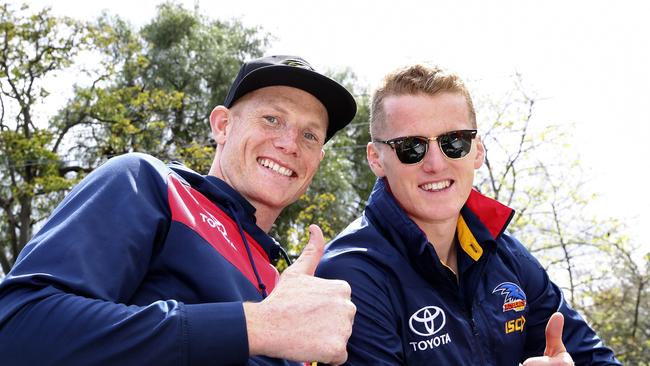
(481, 222)
(232, 202)
(393, 222)
(492, 215)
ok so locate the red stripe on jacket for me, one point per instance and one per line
(190, 207)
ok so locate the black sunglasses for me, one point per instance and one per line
(411, 149)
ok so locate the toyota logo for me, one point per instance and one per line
(427, 321)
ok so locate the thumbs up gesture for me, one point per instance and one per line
(305, 318)
(311, 254)
(555, 353)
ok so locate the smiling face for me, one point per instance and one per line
(269, 146)
(434, 190)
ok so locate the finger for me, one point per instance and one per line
(554, 344)
(534, 361)
(311, 255)
(340, 359)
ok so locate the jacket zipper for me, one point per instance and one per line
(478, 312)
(470, 314)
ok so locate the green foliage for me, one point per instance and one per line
(151, 90)
(156, 87)
(620, 307)
(34, 47)
(198, 58)
(21, 154)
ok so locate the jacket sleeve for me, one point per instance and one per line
(375, 339)
(544, 299)
(66, 299)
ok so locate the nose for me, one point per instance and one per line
(433, 160)
(286, 140)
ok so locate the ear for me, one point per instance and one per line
(219, 118)
(374, 160)
(322, 154)
(480, 153)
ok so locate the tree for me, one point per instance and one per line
(156, 88)
(526, 167)
(620, 307)
(33, 48)
(152, 91)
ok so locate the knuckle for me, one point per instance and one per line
(310, 249)
(338, 284)
(346, 309)
(341, 288)
(340, 357)
(345, 288)
(344, 356)
(340, 346)
(288, 272)
(352, 307)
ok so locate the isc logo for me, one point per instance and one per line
(515, 324)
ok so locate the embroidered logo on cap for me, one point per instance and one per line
(297, 63)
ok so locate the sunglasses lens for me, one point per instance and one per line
(455, 144)
(411, 150)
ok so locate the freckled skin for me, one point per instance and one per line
(424, 115)
(280, 123)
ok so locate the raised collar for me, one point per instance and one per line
(481, 222)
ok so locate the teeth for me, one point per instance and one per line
(276, 167)
(436, 186)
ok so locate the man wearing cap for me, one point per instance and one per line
(146, 263)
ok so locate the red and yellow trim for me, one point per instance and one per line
(467, 241)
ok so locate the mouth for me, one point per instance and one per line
(437, 186)
(277, 168)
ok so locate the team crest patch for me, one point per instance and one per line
(515, 298)
(297, 63)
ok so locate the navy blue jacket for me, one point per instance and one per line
(411, 309)
(141, 264)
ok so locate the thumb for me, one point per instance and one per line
(554, 344)
(311, 255)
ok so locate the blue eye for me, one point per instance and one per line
(273, 120)
(310, 136)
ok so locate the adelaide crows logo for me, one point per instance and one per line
(515, 297)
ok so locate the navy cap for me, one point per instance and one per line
(295, 72)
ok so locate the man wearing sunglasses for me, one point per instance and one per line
(435, 277)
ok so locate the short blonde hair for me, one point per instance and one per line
(417, 79)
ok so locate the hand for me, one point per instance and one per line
(555, 352)
(305, 318)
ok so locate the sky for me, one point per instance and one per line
(588, 62)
